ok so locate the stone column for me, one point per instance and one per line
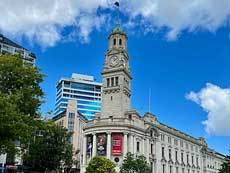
(131, 142)
(125, 144)
(143, 146)
(153, 167)
(108, 149)
(84, 150)
(134, 144)
(147, 151)
(158, 156)
(94, 145)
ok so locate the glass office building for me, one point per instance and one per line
(82, 88)
(8, 46)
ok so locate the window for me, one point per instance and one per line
(175, 141)
(116, 81)
(151, 133)
(162, 137)
(182, 170)
(181, 144)
(108, 81)
(112, 81)
(120, 41)
(129, 116)
(163, 152)
(182, 157)
(66, 95)
(151, 148)
(151, 165)
(82, 86)
(71, 127)
(114, 41)
(176, 155)
(111, 98)
(177, 170)
(197, 161)
(192, 160)
(187, 159)
(71, 122)
(163, 168)
(138, 146)
(169, 139)
(170, 154)
(186, 146)
(170, 169)
(71, 115)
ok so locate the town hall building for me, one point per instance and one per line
(118, 129)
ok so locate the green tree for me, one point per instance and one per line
(225, 167)
(101, 164)
(135, 164)
(20, 98)
(51, 149)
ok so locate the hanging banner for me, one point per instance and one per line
(117, 144)
(101, 144)
(89, 145)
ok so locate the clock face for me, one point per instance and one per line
(114, 61)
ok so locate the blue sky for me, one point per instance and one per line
(183, 60)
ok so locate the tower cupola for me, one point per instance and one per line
(118, 38)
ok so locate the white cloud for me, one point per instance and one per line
(179, 15)
(216, 102)
(43, 21)
(87, 24)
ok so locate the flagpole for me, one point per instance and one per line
(149, 99)
(117, 4)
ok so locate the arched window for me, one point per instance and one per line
(120, 41)
(151, 133)
(114, 41)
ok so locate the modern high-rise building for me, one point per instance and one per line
(82, 88)
(8, 46)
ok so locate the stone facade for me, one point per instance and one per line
(119, 129)
(72, 120)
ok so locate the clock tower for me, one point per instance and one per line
(116, 76)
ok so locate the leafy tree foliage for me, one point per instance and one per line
(101, 165)
(225, 166)
(135, 164)
(20, 98)
(50, 150)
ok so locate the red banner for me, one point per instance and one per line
(117, 144)
(11, 167)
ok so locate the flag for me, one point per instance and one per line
(117, 4)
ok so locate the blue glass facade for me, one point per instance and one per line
(87, 94)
